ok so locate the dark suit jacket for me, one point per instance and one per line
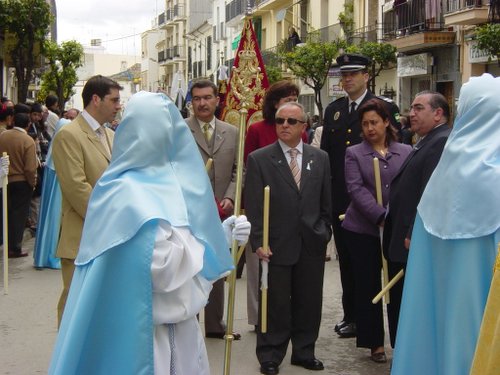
(299, 219)
(407, 188)
(341, 130)
(224, 154)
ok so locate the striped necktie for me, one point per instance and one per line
(294, 165)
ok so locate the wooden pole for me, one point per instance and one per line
(389, 285)
(265, 265)
(378, 189)
(234, 247)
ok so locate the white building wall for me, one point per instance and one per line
(97, 61)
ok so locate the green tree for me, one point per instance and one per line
(311, 62)
(26, 24)
(488, 39)
(60, 77)
(383, 56)
(346, 19)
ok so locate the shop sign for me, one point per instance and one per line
(414, 65)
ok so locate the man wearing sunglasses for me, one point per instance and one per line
(299, 229)
(342, 129)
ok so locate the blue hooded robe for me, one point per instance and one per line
(156, 173)
(49, 218)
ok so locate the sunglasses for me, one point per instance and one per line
(289, 120)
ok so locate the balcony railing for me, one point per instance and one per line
(330, 33)
(177, 11)
(174, 52)
(161, 56)
(413, 16)
(237, 8)
(366, 34)
(161, 19)
(450, 6)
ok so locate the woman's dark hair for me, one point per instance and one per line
(378, 107)
(274, 94)
(5, 112)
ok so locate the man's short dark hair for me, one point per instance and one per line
(51, 100)
(437, 100)
(100, 86)
(22, 108)
(204, 83)
(21, 120)
(36, 107)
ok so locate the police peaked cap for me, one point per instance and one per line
(352, 62)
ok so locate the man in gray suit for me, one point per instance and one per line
(216, 140)
(299, 230)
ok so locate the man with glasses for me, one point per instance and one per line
(342, 129)
(429, 116)
(300, 227)
(216, 140)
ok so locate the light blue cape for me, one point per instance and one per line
(49, 218)
(156, 172)
(468, 175)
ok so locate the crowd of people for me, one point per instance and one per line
(140, 220)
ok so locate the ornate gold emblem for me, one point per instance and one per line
(246, 79)
(336, 116)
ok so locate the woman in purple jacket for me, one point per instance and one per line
(364, 216)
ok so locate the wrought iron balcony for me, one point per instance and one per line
(237, 8)
(161, 57)
(465, 12)
(414, 24)
(161, 19)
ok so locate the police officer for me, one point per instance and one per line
(342, 129)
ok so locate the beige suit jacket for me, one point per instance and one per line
(224, 155)
(79, 159)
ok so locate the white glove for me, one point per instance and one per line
(4, 166)
(237, 228)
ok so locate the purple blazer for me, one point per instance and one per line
(363, 212)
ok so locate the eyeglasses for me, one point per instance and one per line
(289, 120)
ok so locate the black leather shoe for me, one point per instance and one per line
(340, 325)
(348, 331)
(309, 364)
(269, 368)
(18, 254)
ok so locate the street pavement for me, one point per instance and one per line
(28, 327)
